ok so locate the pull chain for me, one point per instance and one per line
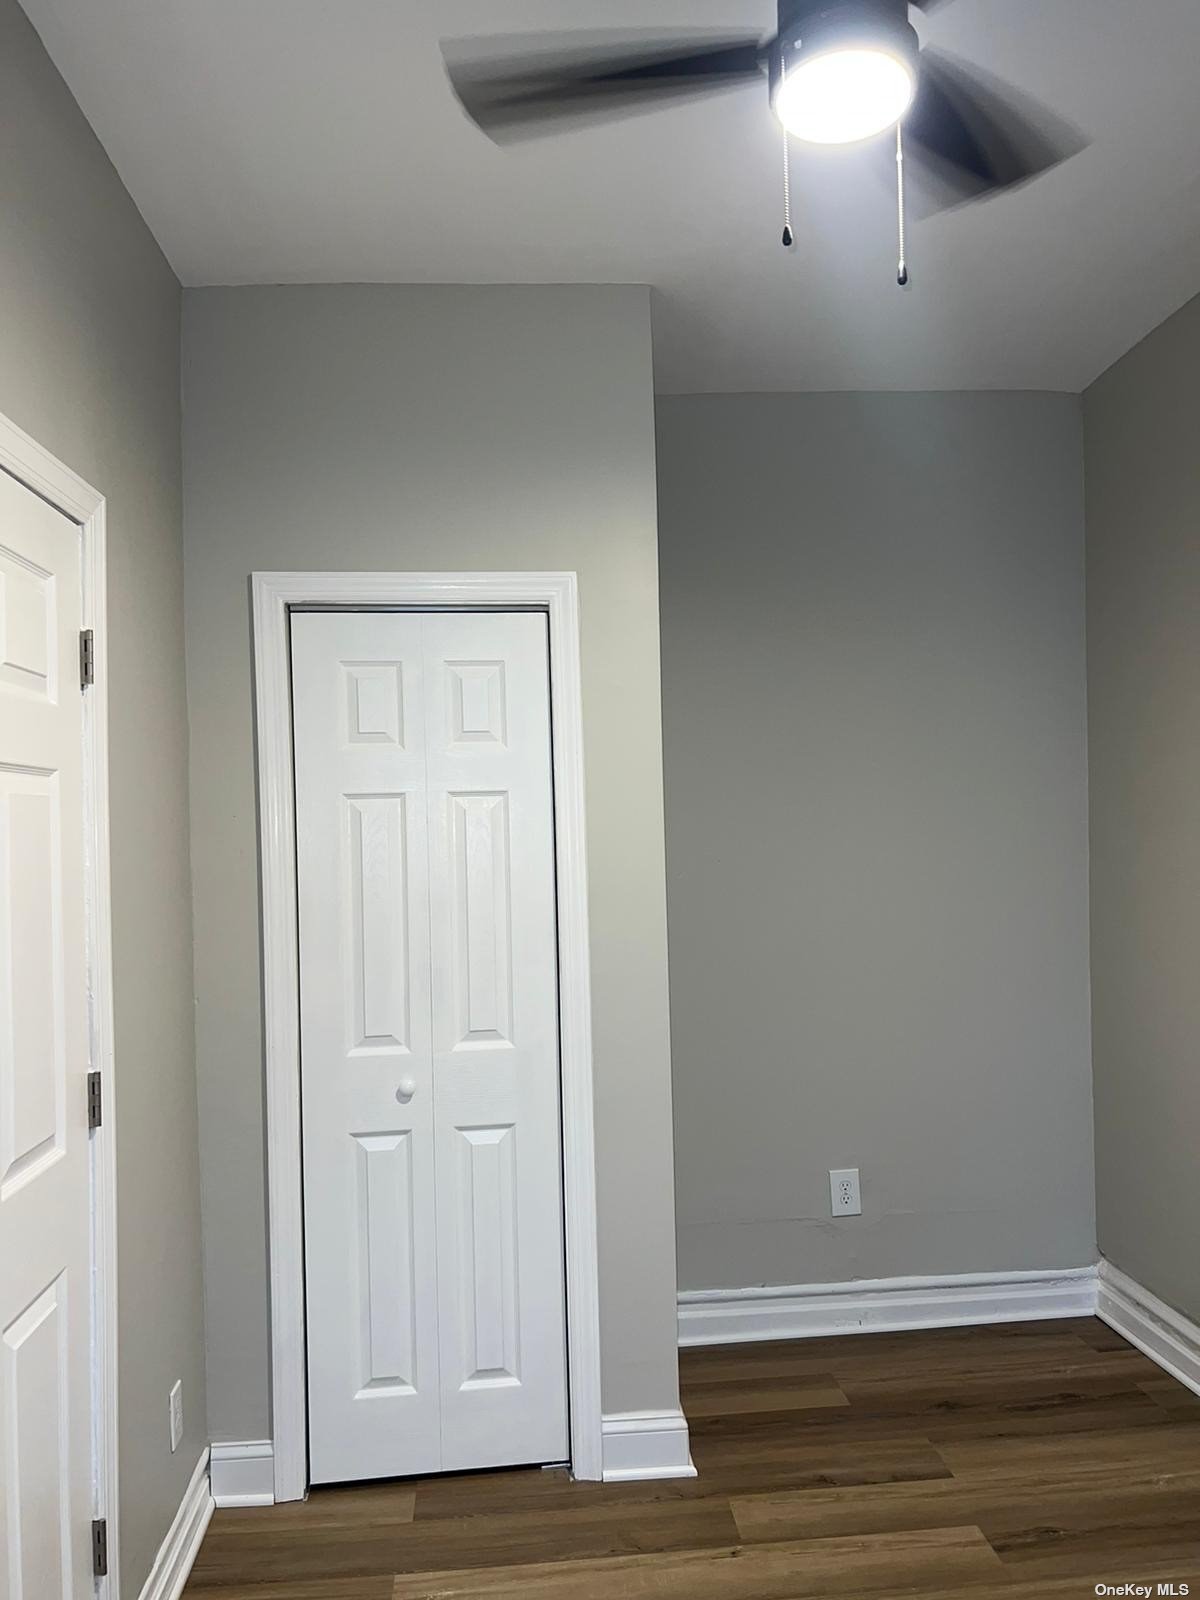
(788, 235)
(902, 268)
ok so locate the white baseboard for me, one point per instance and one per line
(636, 1444)
(243, 1474)
(646, 1444)
(879, 1305)
(174, 1560)
(1157, 1329)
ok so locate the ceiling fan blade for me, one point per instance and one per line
(928, 5)
(512, 93)
(976, 136)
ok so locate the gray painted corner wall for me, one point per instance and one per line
(1142, 431)
(876, 786)
(412, 428)
(90, 313)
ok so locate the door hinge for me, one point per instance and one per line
(95, 1101)
(87, 658)
(100, 1548)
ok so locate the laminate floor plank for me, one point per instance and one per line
(1021, 1416)
(1172, 1397)
(780, 1394)
(881, 1355)
(377, 1587)
(728, 1466)
(794, 1457)
(1078, 1534)
(792, 1571)
(1021, 1515)
(1028, 1461)
(938, 1395)
(1167, 1447)
(589, 1532)
(364, 1505)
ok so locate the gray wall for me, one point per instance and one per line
(90, 315)
(874, 730)
(1142, 429)
(425, 429)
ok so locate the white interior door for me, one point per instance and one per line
(429, 1042)
(45, 1223)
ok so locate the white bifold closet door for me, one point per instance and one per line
(429, 1042)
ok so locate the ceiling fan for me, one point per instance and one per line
(837, 71)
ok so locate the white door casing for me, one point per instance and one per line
(275, 596)
(45, 1215)
(432, 1154)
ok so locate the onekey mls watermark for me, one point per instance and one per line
(1142, 1589)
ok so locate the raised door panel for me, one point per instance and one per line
(380, 935)
(481, 919)
(374, 702)
(32, 1021)
(478, 703)
(28, 623)
(489, 1297)
(388, 1291)
(35, 1386)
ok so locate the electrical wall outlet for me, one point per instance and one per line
(844, 1197)
(176, 1415)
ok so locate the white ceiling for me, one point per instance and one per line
(308, 141)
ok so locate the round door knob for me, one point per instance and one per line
(407, 1088)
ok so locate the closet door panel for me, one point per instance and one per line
(495, 1039)
(366, 1061)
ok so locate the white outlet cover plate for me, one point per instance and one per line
(845, 1199)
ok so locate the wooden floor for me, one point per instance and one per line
(1031, 1459)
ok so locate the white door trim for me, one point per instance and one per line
(556, 593)
(35, 467)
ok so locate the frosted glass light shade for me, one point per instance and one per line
(842, 95)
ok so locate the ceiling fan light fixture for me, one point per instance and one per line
(843, 94)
